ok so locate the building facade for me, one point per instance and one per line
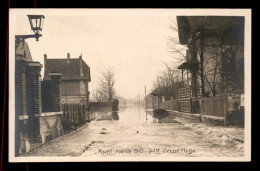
(214, 59)
(215, 55)
(75, 77)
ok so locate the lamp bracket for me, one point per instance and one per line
(28, 36)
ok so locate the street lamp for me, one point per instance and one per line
(36, 22)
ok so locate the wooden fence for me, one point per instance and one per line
(213, 106)
(74, 115)
(100, 106)
(185, 99)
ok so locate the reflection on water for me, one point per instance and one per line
(133, 114)
(107, 116)
(123, 108)
(115, 116)
(153, 117)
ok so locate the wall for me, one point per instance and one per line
(74, 91)
(50, 125)
(98, 110)
(213, 106)
(20, 105)
(100, 106)
(27, 103)
(31, 125)
(216, 54)
(51, 93)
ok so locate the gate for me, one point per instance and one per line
(74, 115)
(185, 99)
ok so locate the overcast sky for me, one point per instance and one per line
(133, 43)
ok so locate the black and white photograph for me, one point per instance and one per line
(129, 85)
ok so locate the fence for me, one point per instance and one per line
(213, 107)
(99, 105)
(185, 99)
(74, 115)
(98, 110)
(169, 105)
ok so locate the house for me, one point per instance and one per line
(162, 92)
(159, 94)
(75, 77)
(215, 62)
(162, 97)
(215, 55)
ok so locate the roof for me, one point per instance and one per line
(225, 23)
(188, 65)
(160, 91)
(23, 51)
(69, 70)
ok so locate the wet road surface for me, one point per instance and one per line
(137, 134)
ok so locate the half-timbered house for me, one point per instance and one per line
(75, 76)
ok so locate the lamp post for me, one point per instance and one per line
(36, 23)
(21, 117)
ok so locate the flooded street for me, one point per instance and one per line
(137, 134)
(132, 135)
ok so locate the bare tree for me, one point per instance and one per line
(172, 79)
(106, 90)
(209, 71)
(169, 79)
(175, 48)
(99, 95)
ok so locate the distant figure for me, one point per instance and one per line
(115, 105)
(115, 109)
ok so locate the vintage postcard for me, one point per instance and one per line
(129, 85)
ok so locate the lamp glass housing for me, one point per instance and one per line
(36, 22)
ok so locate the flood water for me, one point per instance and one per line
(139, 129)
(135, 115)
(136, 133)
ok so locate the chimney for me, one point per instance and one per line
(68, 58)
(80, 67)
(45, 57)
(45, 60)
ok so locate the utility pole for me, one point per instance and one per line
(145, 97)
(145, 103)
(139, 104)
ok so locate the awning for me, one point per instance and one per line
(189, 65)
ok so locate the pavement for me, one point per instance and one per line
(230, 133)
